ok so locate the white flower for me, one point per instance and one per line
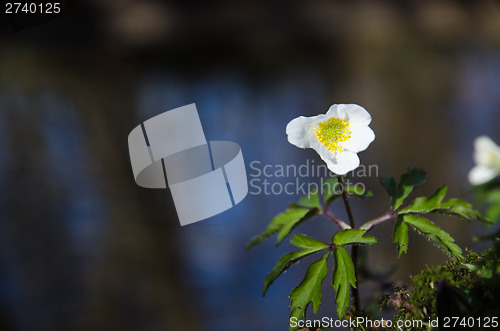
(337, 136)
(487, 158)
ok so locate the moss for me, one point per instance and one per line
(470, 287)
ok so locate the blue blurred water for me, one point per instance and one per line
(226, 278)
(76, 199)
(68, 163)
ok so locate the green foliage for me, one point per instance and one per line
(309, 246)
(426, 205)
(305, 242)
(434, 233)
(407, 183)
(488, 195)
(358, 191)
(400, 235)
(343, 274)
(293, 223)
(309, 290)
(311, 200)
(343, 278)
(435, 204)
(389, 183)
(332, 190)
(284, 223)
(414, 216)
(493, 205)
(352, 236)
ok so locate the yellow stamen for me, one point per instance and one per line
(332, 132)
(493, 161)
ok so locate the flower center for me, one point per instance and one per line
(332, 132)
(493, 161)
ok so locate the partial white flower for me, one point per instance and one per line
(487, 158)
(337, 136)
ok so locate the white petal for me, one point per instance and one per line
(357, 115)
(344, 162)
(481, 174)
(337, 111)
(324, 152)
(485, 150)
(340, 163)
(361, 137)
(298, 131)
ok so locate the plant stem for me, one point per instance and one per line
(354, 252)
(346, 202)
(340, 223)
(377, 221)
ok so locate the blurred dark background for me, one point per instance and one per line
(82, 247)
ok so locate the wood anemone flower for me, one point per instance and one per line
(336, 136)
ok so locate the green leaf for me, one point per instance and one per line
(400, 235)
(358, 191)
(449, 247)
(433, 232)
(492, 197)
(292, 224)
(311, 200)
(309, 290)
(332, 190)
(289, 259)
(352, 236)
(493, 213)
(409, 180)
(293, 206)
(460, 208)
(390, 185)
(343, 278)
(425, 205)
(291, 215)
(435, 204)
(305, 242)
(426, 226)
